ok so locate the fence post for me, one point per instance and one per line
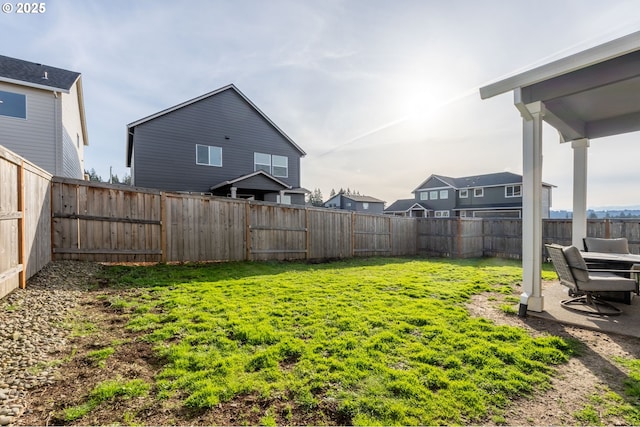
(459, 238)
(163, 227)
(22, 259)
(247, 228)
(306, 232)
(607, 228)
(353, 234)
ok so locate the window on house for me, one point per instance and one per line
(444, 194)
(442, 214)
(284, 199)
(464, 194)
(365, 205)
(280, 166)
(424, 195)
(208, 155)
(262, 162)
(13, 105)
(478, 192)
(273, 164)
(513, 191)
(433, 195)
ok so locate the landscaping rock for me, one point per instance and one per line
(32, 331)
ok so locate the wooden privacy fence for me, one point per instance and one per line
(117, 223)
(109, 223)
(44, 218)
(25, 222)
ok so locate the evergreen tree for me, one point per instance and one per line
(333, 193)
(93, 175)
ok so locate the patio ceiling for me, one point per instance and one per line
(592, 94)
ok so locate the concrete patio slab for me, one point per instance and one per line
(627, 323)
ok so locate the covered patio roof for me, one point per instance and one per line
(591, 94)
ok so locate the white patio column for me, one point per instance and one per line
(532, 204)
(579, 221)
(234, 192)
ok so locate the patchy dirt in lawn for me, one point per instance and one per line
(77, 373)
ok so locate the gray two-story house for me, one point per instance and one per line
(219, 143)
(356, 203)
(42, 115)
(495, 195)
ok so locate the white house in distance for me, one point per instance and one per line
(42, 116)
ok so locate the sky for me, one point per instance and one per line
(379, 94)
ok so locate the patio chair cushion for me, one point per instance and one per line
(576, 263)
(599, 281)
(611, 246)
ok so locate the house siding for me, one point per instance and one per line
(165, 147)
(33, 138)
(72, 125)
(70, 162)
(492, 196)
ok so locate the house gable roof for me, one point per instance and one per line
(36, 75)
(260, 175)
(474, 181)
(404, 205)
(364, 199)
(354, 198)
(195, 100)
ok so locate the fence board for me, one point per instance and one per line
(330, 234)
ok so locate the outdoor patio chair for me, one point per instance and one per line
(573, 273)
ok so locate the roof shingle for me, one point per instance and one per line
(33, 74)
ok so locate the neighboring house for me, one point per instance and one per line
(351, 202)
(218, 143)
(42, 116)
(495, 195)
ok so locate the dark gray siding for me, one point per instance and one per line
(493, 196)
(165, 147)
(439, 204)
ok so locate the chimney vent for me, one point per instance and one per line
(45, 76)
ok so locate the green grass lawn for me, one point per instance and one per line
(373, 341)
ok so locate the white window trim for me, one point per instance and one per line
(464, 194)
(478, 192)
(365, 205)
(209, 163)
(424, 195)
(513, 191)
(445, 193)
(441, 214)
(433, 195)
